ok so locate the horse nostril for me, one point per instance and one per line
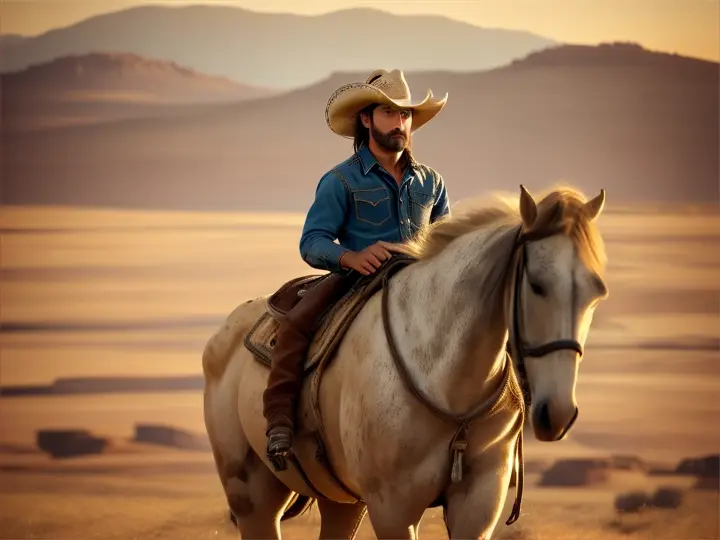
(542, 416)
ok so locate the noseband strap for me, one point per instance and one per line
(547, 348)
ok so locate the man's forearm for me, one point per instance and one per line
(322, 253)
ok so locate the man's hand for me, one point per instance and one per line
(369, 259)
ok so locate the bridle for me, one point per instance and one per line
(520, 349)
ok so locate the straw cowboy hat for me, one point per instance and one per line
(384, 87)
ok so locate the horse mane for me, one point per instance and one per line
(559, 210)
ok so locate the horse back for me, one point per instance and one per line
(220, 347)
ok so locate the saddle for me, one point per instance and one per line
(333, 322)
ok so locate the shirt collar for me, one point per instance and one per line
(368, 160)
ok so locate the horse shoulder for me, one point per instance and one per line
(220, 347)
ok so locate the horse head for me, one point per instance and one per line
(556, 286)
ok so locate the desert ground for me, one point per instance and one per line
(114, 293)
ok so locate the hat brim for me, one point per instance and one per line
(348, 100)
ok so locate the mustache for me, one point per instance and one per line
(397, 131)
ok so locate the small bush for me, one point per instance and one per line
(667, 497)
(631, 503)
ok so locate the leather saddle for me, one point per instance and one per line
(334, 321)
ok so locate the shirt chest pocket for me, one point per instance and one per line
(421, 204)
(372, 205)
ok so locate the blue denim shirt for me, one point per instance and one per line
(359, 203)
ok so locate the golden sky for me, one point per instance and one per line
(688, 27)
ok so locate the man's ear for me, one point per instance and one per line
(365, 119)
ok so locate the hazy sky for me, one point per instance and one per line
(688, 27)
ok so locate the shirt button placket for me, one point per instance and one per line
(404, 212)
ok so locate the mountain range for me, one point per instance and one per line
(277, 50)
(642, 125)
(105, 86)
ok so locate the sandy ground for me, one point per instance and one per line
(168, 494)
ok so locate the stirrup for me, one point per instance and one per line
(279, 459)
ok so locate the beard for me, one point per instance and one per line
(388, 141)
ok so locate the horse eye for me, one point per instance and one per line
(537, 289)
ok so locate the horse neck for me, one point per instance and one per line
(449, 315)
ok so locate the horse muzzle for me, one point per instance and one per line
(550, 426)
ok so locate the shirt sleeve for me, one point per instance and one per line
(441, 208)
(323, 223)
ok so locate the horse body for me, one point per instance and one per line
(385, 446)
(448, 316)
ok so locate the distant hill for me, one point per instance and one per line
(608, 55)
(101, 86)
(10, 39)
(641, 125)
(279, 50)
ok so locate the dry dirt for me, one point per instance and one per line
(175, 495)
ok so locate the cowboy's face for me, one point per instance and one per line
(390, 127)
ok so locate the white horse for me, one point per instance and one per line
(420, 404)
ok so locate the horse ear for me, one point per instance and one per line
(594, 207)
(528, 208)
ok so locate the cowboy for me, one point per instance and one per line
(377, 197)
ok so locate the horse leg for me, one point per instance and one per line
(255, 496)
(257, 499)
(473, 506)
(395, 516)
(339, 520)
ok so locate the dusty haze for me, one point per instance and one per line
(277, 50)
